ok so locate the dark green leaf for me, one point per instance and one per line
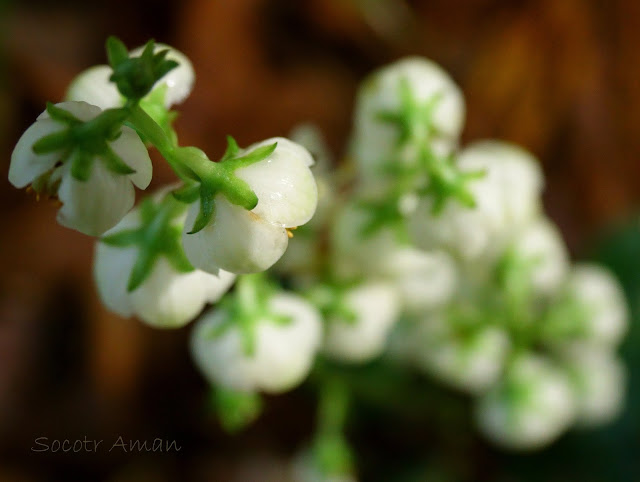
(62, 115)
(53, 142)
(254, 156)
(114, 163)
(141, 269)
(123, 238)
(81, 164)
(207, 205)
(188, 193)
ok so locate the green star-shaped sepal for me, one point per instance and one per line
(158, 235)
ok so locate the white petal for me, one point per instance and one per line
(216, 285)
(236, 240)
(133, 152)
(376, 308)
(286, 190)
(96, 205)
(168, 299)
(26, 165)
(179, 81)
(112, 267)
(93, 86)
(604, 299)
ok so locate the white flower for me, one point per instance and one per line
(374, 142)
(530, 408)
(244, 241)
(599, 379)
(167, 298)
(541, 245)
(599, 293)
(424, 280)
(507, 198)
(91, 206)
(282, 356)
(93, 85)
(375, 308)
(468, 361)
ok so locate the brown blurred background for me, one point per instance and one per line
(560, 77)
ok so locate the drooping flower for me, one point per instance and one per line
(98, 202)
(598, 377)
(273, 356)
(243, 241)
(506, 199)
(412, 100)
(357, 330)
(93, 85)
(471, 361)
(532, 406)
(168, 297)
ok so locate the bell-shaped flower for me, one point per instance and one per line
(93, 85)
(242, 241)
(599, 378)
(471, 361)
(591, 308)
(273, 356)
(424, 280)
(98, 202)
(541, 250)
(506, 199)
(532, 406)
(410, 101)
(168, 297)
(358, 326)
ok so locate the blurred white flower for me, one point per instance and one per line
(167, 298)
(93, 85)
(599, 379)
(605, 317)
(90, 206)
(374, 142)
(532, 406)
(374, 308)
(471, 362)
(283, 352)
(507, 199)
(242, 241)
(541, 246)
(424, 280)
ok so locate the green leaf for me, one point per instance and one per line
(117, 51)
(142, 268)
(115, 163)
(207, 205)
(188, 193)
(81, 164)
(164, 68)
(124, 238)
(240, 193)
(147, 52)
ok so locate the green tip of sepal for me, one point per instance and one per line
(236, 409)
(116, 51)
(141, 269)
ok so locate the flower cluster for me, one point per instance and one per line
(438, 255)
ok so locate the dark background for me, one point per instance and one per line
(560, 77)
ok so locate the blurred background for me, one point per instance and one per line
(560, 78)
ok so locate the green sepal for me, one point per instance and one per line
(207, 207)
(122, 239)
(114, 163)
(53, 142)
(241, 194)
(254, 156)
(117, 51)
(236, 409)
(81, 164)
(58, 114)
(188, 193)
(177, 257)
(142, 268)
(232, 149)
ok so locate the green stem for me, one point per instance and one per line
(332, 407)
